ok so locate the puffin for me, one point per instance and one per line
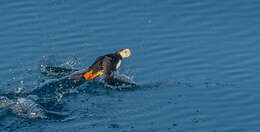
(107, 65)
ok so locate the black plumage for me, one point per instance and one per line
(107, 64)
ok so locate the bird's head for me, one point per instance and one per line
(124, 53)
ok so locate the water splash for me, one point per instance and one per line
(53, 67)
(71, 62)
(19, 89)
(122, 81)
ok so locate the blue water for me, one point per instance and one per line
(196, 63)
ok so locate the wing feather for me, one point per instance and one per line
(108, 70)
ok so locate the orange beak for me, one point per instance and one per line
(128, 52)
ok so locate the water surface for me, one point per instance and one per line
(196, 62)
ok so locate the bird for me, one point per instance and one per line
(107, 65)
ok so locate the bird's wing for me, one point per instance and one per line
(108, 69)
(97, 65)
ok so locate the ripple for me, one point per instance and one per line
(188, 40)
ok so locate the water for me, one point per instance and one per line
(196, 63)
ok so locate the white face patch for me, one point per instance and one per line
(118, 64)
(123, 54)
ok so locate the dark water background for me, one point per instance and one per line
(196, 62)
